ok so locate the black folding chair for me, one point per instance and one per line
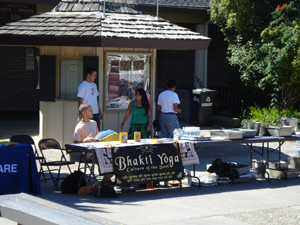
(26, 139)
(51, 144)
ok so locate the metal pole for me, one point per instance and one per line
(104, 5)
(157, 8)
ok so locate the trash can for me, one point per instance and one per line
(201, 106)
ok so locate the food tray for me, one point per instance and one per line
(227, 134)
(247, 133)
(278, 165)
(283, 131)
(242, 169)
(290, 173)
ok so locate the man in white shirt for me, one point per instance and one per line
(88, 93)
(167, 104)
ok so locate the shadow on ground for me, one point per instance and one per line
(90, 203)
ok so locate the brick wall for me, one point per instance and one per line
(17, 85)
(177, 65)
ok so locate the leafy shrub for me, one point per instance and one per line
(268, 116)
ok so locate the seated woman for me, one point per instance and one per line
(141, 115)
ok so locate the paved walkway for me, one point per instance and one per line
(255, 202)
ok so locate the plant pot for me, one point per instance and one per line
(290, 122)
(254, 126)
(259, 167)
(279, 131)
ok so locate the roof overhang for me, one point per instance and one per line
(96, 29)
(106, 42)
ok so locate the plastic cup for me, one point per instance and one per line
(123, 137)
(137, 136)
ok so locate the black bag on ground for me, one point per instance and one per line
(107, 192)
(223, 169)
(104, 191)
(73, 182)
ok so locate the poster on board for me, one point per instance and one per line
(147, 163)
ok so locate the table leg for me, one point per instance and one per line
(263, 151)
(251, 154)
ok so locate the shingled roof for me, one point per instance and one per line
(82, 23)
(194, 4)
(111, 6)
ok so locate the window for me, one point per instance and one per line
(71, 77)
(125, 73)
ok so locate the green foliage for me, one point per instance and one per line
(268, 116)
(264, 43)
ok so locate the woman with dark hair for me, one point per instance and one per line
(141, 115)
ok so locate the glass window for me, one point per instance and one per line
(125, 73)
(71, 77)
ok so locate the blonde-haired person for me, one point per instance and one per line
(86, 130)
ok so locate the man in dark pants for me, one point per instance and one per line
(88, 93)
(167, 104)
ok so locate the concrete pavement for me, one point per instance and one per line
(255, 202)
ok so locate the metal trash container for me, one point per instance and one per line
(201, 106)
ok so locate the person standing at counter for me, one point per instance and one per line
(167, 104)
(88, 93)
(141, 115)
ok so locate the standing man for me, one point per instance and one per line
(167, 104)
(88, 93)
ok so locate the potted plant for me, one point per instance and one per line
(270, 119)
(253, 119)
(260, 118)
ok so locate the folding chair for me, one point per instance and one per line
(26, 139)
(51, 144)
